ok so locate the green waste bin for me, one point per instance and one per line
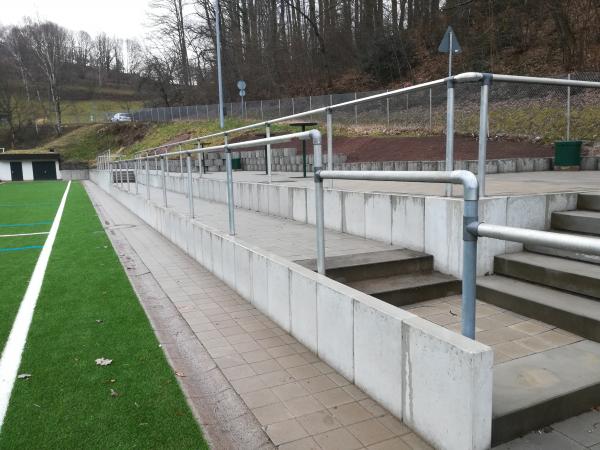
(567, 153)
(236, 163)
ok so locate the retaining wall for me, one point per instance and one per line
(437, 381)
(424, 223)
(75, 174)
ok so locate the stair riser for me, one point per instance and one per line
(543, 414)
(579, 224)
(381, 270)
(577, 324)
(588, 202)
(403, 297)
(576, 283)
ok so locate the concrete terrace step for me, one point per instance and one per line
(540, 389)
(578, 221)
(405, 289)
(568, 254)
(573, 276)
(574, 313)
(589, 201)
(362, 266)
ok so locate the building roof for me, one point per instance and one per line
(28, 155)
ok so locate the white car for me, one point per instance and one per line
(121, 117)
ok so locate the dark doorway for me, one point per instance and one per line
(16, 171)
(44, 170)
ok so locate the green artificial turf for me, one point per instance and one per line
(22, 203)
(88, 310)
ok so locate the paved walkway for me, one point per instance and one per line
(496, 184)
(255, 386)
(298, 400)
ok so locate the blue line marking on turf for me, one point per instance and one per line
(33, 224)
(17, 249)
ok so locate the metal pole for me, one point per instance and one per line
(136, 163)
(430, 111)
(164, 180)
(269, 171)
(110, 174)
(190, 185)
(230, 205)
(120, 175)
(450, 55)
(387, 110)
(147, 178)
(279, 102)
(483, 128)
(355, 110)
(200, 160)
(293, 107)
(449, 132)
(304, 154)
(180, 161)
(469, 275)
(569, 110)
(262, 116)
(219, 74)
(319, 211)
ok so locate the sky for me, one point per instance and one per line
(120, 18)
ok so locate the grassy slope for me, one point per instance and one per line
(22, 203)
(67, 403)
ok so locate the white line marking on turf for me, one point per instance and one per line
(11, 356)
(23, 234)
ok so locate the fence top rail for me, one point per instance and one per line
(466, 77)
(315, 135)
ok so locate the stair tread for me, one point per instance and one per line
(586, 213)
(533, 379)
(398, 282)
(362, 259)
(568, 254)
(571, 303)
(555, 263)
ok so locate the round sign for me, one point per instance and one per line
(241, 85)
(242, 93)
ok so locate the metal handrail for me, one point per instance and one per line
(313, 135)
(470, 218)
(583, 244)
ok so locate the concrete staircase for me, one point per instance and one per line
(560, 288)
(399, 277)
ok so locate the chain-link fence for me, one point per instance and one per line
(518, 111)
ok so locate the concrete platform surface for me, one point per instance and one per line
(297, 400)
(520, 183)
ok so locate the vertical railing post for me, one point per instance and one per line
(269, 156)
(190, 184)
(319, 211)
(279, 104)
(449, 132)
(469, 275)
(164, 180)
(293, 107)
(355, 110)
(569, 110)
(230, 205)
(387, 111)
(329, 122)
(200, 160)
(120, 175)
(262, 115)
(483, 132)
(147, 177)
(430, 111)
(136, 163)
(180, 162)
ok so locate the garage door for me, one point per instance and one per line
(44, 170)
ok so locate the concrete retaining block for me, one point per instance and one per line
(525, 165)
(303, 307)
(260, 293)
(408, 227)
(378, 217)
(279, 293)
(589, 163)
(354, 213)
(335, 328)
(452, 406)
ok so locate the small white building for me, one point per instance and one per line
(23, 166)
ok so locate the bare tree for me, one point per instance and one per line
(48, 43)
